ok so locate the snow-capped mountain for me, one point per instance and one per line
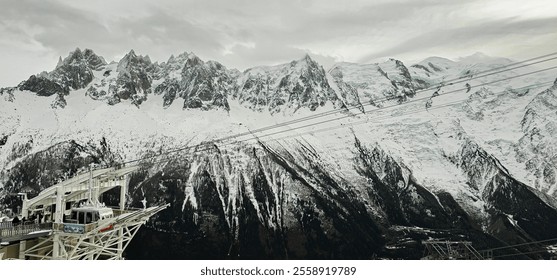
(475, 164)
(537, 147)
(73, 73)
(201, 84)
(130, 79)
(299, 84)
(376, 84)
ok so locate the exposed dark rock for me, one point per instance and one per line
(42, 86)
(59, 102)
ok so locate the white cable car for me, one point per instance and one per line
(90, 214)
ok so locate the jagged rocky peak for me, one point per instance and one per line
(207, 84)
(305, 61)
(132, 60)
(200, 84)
(71, 73)
(60, 62)
(193, 60)
(130, 80)
(173, 66)
(181, 59)
(299, 84)
(78, 57)
(76, 70)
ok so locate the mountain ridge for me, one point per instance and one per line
(136, 77)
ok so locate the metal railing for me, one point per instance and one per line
(9, 229)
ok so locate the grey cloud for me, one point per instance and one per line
(59, 24)
(474, 35)
(263, 53)
(271, 53)
(301, 25)
(62, 28)
(373, 16)
(163, 29)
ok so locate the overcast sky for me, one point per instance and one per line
(242, 33)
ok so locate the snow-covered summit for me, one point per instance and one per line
(287, 87)
(481, 58)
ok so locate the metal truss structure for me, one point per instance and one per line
(451, 250)
(105, 238)
(82, 186)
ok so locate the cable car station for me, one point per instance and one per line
(68, 221)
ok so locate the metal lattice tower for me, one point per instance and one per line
(451, 250)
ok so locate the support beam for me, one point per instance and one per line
(58, 217)
(123, 190)
(79, 182)
(22, 245)
(24, 207)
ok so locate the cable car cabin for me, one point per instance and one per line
(82, 219)
(87, 215)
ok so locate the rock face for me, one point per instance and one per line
(480, 170)
(516, 212)
(7, 93)
(203, 85)
(254, 203)
(72, 73)
(130, 80)
(42, 86)
(76, 71)
(300, 83)
(537, 147)
(134, 81)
